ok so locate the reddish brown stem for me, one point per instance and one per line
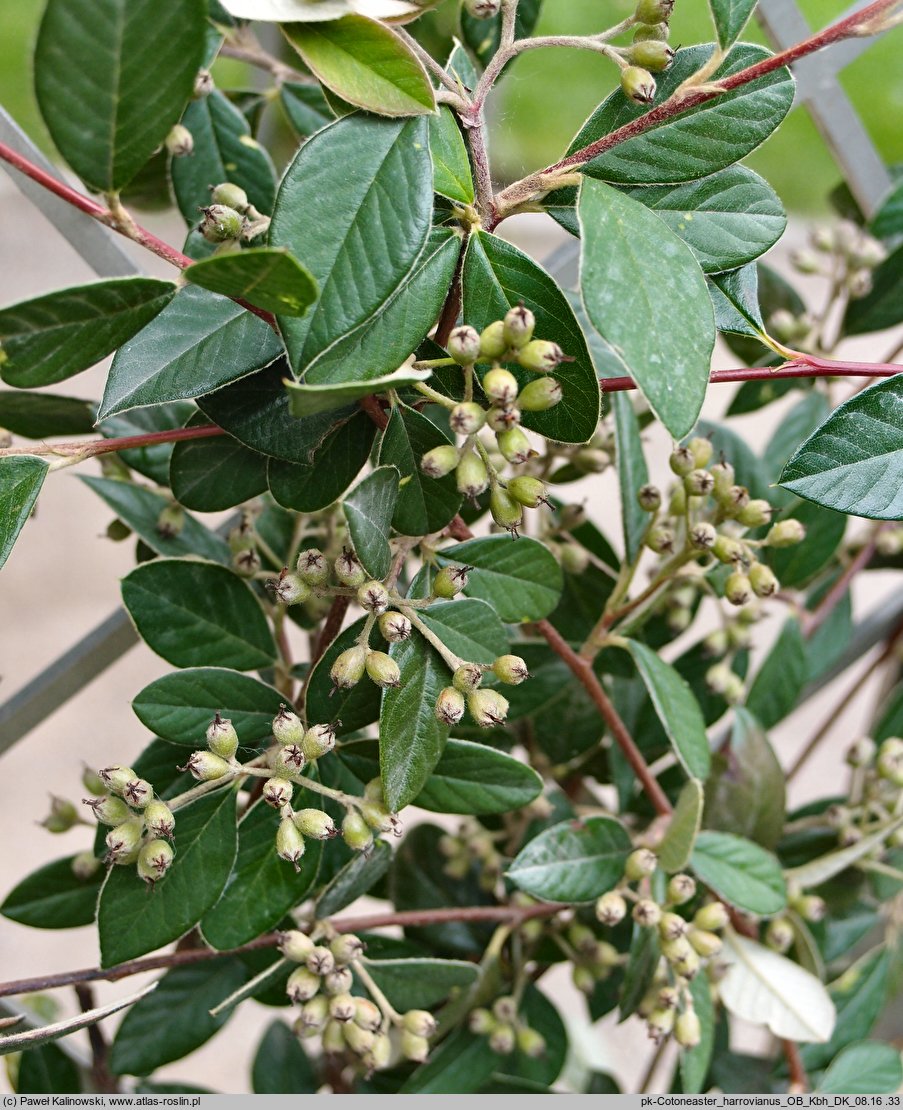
(799, 1081)
(583, 671)
(373, 409)
(805, 366)
(93, 447)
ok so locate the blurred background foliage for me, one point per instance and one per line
(547, 94)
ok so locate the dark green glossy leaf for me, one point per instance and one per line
(882, 306)
(735, 299)
(348, 710)
(216, 473)
(468, 627)
(418, 984)
(520, 579)
(575, 861)
(632, 472)
(798, 565)
(310, 399)
(780, 679)
(642, 962)
(677, 847)
(740, 872)
(461, 1064)
(130, 923)
(864, 1068)
(53, 898)
(745, 794)
(424, 504)
(224, 150)
(335, 463)
(859, 996)
(47, 1070)
(200, 341)
(262, 887)
(358, 875)
(21, 478)
(92, 78)
(694, 1062)
(452, 177)
(368, 511)
(498, 276)
(730, 17)
(174, 1020)
(811, 410)
(305, 107)
(198, 614)
(50, 338)
(271, 279)
(281, 1066)
(887, 222)
(471, 778)
(645, 293)
(854, 461)
(44, 415)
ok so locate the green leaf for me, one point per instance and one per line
(697, 142)
(130, 923)
(47, 1070)
(538, 1013)
(418, 984)
(575, 861)
(745, 794)
(451, 166)
(271, 279)
(735, 299)
(50, 338)
(887, 222)
(781, 677)
(424, 504)
(335, 463)
(305, 107)
(816, 871)
(153, 460)
(224, 150)
(676, 848)
(460, 1065)
(213, 474)
(93, 63)
(311, 399)
(411, 738)
(498, 276)
(632, 472)
(195, 613)
(864, 1068)
(281, 1066)
(642, 962)
(140, 508)
(644, 292)
(365, 63)
(798, 565)
(677, 709)
(740, 872)
(262, 887)
(179, 706)
(358, 875)
(348, 710)
(386, 207)
(175, 1019)
(859, 996)
(468, 627)
(201, 341)
(854, 461)
(811, 410)
(43, 415)
(53, 898)
(471, 778)
(520, 578)
(21, 478)
(368, 511)
(726, 219)
(730, 17)
(882, 306)
(694, 1062)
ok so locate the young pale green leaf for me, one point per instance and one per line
(471, 778)
(854, 461)
(281, 1066)
(368, 511)
(418, 984)
(498, 276)
(43, 415)
(644, 292)
(780, 679)
(50, 338)
(195, 614)
(746, 792)
(311, 398)
(424, 504)
(411, 738)
(213, 474)
(675, 850)
(677, 709)
(140, 509)
(178, 707)
(730, 17)
(335, 463)
(93, 66)
(130, 924)
(53, 897)
(697, 142)
(272, 279)
(263, 887)
(224, 150)
(358, 875)
(882, 306)
(21, 478)
(727, 219)
(366, 63)
(451, 166)
(468, 627)
(632, 472)
(520, 579)
(347, 710)
(386, 207)
(175, 1019)
(575, 861)
(47, 1070)
(766, 988)
(740, 872)
(200, 341)
(864, 1068)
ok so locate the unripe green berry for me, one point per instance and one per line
(500, 386)
(648, 32)
(206, 767)
(221, 224)
(889, 763)
(763, 580)
(735, 690)
(415, 1048)
(85, 865)
(472, 477)
(738, 589)
(203, 84)
(680, 889)
(724, 476)
(467, 418)
(373, 597)
(659, 1024)
(611, 909)
(285, 762)
(479, 9)
(222, 739)
(380, 1053)
(735, 500)
(540, 356)
(779, 934)
(154, 860)
(348, 569)
(653, 55)
(647, 913)
(315, 824)
(287, 727)
(450, 706)
(505, 511)
(116, 778)
(649, 498)
(705, 943)
(345, 949)
(687, 964)
(395, 627)
(179, 142)
(159, 819)
(358, 1040)
(348, 668)
(467, 677)
(108, 810)
(687, 1029)
(318, 741)
(232, 196)
(861, 752)
(519, 325)
(727, 550)
(712, 917)
(671, 926)
(338, 981)
(492, 341)
(246, 563)
(701, 450)
(811, 908)
(123, 842)
(367, 1014)
(653, 11)
(289, 842)
(464, 345)
(530, 492)
(302, 985)
(312, 567)
(380, 819)
(450, 580)
(419, 1022)
(503, 1040)
(510, 669)
(718, 677)
(333, 1038)
(703, 536)
(170, 522)
(502, 418)
(540, 395)
(574, 559)
(531, 1043)
(583, 979)
(480, 1021)
(439, 461)
(356, 832)
(786, 533)
(699, 483)
(755, 513)
(515, 446)
(487, 707)
(92, 782)
(295, 945)
(640, 864)
(660, 539)
(638, 84)
(320, 961)
(137, 793)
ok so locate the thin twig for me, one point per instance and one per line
(799, 1081)
(811, 368)
(89, 448)
(100, 1050)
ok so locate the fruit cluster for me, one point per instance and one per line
(141, 825)
(506, 1029)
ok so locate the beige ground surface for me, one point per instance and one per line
(62, 580)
